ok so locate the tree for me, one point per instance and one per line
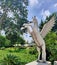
(2, 41)
(47, 19)
(21, 40)
(55, 26)
(15, 39)
(44, 22)
(41, 25)
(13, 16)
(7, 43)
(51, 46)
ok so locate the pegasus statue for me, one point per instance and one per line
(38, 37)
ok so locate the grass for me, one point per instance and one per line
(23, 54)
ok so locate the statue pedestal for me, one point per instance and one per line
(39, 63)
(55, 62)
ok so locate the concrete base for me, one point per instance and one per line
(55, 62)
(39, 63)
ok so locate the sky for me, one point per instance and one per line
(41, 8)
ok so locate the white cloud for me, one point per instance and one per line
(45, 13)
(33, 3)
(10, 14)
(27, 37)
(2, 32)
(55, 5)
(1, 10)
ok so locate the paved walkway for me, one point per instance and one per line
(32, 63)
(37, 63)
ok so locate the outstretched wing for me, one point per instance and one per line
(47, 27)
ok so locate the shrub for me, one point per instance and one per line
(51, 46)
(7, 42)
(32, 50)
(10, 60)
(2, 41)
(2, 48)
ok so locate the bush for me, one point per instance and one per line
(7, 42)
(10, 60)
(32, 50)
(2, 48)
(2, 41)
(51, 46)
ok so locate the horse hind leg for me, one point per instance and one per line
(38, 49)
(43, 53)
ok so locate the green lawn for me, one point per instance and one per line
(23, 54)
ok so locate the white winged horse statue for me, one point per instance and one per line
(38, 36)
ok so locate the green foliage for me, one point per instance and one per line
(11, 60)
(12, 24)
(11, 40)
(51, 46)
(19, 10)
(55, 26)
(2, 41)
(7, 43)
(12, 37)
(15, 39)
(21, 40)
(41, 25)
(22, 54)
(2, 48)
(32, 50)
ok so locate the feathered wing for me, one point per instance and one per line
(47, 27)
